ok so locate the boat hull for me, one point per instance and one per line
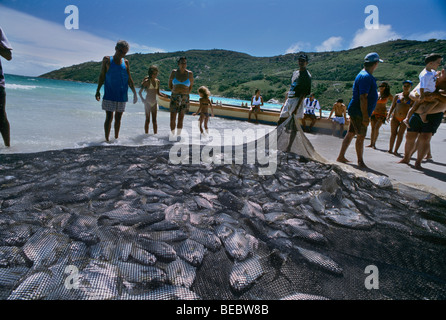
(268, 117)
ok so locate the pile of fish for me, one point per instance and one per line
(125, 223)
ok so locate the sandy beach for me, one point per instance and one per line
(431, 179)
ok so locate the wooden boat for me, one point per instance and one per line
(269, 117)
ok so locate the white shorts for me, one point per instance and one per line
(339, 120)
(290, 106)
(113, 106)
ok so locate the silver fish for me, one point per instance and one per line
(205, 237)
(348, 218)
(45, 247)
(161, 250)
(181, 273)
(166, 292)
(192, 251)
(15, 235)
(10, 276)
(245, 273)
(11, 256)
(298, 228)
(145, 275)
(173, 235)
(34, 287)
(303, 296)
(142, 256)
(320, 260)
(237, 245)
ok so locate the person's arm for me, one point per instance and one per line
(141, 90)
(158, 92)
(332, 110)
(364, 106)
(345, 113)
(191, 78)
(104, 67)
(261, 99)
(5, 53)
(172, 74)
(320, 110)
(212, 107)
(131, 84)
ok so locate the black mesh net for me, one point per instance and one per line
(125, 223)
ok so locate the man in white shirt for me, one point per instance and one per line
(311, 105)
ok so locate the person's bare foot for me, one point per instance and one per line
(396, 154)
(418, 166)
(362, 165)
(342, 159)
(369, 146)
(404, 161)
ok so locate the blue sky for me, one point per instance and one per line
(261, 28)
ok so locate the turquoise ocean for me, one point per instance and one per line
(47, 114)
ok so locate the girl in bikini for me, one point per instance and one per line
(379, 115)
(151, 85)
(203, 110)
(399, 109)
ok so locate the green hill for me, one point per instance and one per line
(233, 74)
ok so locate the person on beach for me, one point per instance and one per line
(427, 85)
(203, 110)
(340, 117)
(181, 82)
(115, 74)
(299, 89)
(5, 52)
(151, 85)
(419, 133)
(379, 115)
(398, 111)
(360, 108)
(256, 103)
(311, 105)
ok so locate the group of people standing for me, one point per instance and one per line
(116, 77)
(420, 111)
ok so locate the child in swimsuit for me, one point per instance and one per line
(203, 110)
(428, 78)
(151, 85)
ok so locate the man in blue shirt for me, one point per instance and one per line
(365, 97)
(5, 52)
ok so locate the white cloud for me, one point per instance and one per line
(331, 44)
(368, 37)
(299, 46)
(428, 36)
(40, 46)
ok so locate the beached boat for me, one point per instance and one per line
(269, 117)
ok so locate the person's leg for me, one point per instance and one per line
(423, 148)
(173, 117)
(107, 124)
(345, 144)
(401, 130)
(154, 121)
(359, 146)
(118, 117)
(180, 121)
(341, 130)
(313, 121)
(372, 133)
(4, 123)
(394, 124)
(146, 124)
(377, 127)
(411, 137)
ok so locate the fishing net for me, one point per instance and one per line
(125, 223)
